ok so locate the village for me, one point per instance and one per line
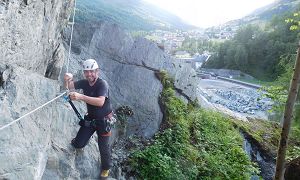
(172, 41)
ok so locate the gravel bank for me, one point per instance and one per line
(234, 99)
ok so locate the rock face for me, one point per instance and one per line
(31, 63)
(129, 65)
(30, 31)
(24, 144)
(30, 43)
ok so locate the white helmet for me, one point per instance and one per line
(90, 64)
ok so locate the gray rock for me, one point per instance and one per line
(24, 144)
(129, 65)
(32, 65)
(30, 32)
(29, 36)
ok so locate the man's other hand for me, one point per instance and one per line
(75, 96)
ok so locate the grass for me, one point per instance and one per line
(194, 144)
(255, 81)
(267, 135)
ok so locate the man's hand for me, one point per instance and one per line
(68, 77)
(95, 101)
(75, 96)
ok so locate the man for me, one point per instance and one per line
(96, 96)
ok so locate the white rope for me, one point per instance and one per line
(1, 128)
(71, 38)
(5, 126)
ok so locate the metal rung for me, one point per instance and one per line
(70, 23)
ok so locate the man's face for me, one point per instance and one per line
(91, 75)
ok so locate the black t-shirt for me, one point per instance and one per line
(100, 88)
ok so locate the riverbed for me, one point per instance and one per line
(234, 99)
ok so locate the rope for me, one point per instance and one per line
(3, 127)
(71, 38)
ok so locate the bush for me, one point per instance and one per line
(198, 144)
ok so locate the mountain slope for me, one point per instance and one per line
(279, 7)
(129, 14)
(266, 13)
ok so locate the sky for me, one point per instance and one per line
(206, 13)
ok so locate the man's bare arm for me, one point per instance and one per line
(95, 101)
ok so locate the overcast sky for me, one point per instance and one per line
(206, 13)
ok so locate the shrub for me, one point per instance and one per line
(198, 144)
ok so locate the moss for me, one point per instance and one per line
(166, 81)
(267, 134)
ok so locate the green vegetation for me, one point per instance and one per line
(268, 55)
(139, 33)
(278, 91)
(96, 11)
(129, 15)
(255, 81)
(267, 134)
(123, 112)
(194, 144)
(258, 52)
(294, 22)
(193, 46)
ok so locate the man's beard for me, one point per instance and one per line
(91, 80)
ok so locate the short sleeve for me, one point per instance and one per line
(103, 89)
(79, 84)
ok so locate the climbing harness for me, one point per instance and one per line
(109, 121)
(104, 127)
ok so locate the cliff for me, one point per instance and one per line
(30, 41)
(129, 66)
(32, 65)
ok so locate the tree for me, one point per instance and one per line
(294, 22)
(280, 162)
(241, 57)
(229, 57)
(288, 115)
(245, 34)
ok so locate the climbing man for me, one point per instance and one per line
(99, 111)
